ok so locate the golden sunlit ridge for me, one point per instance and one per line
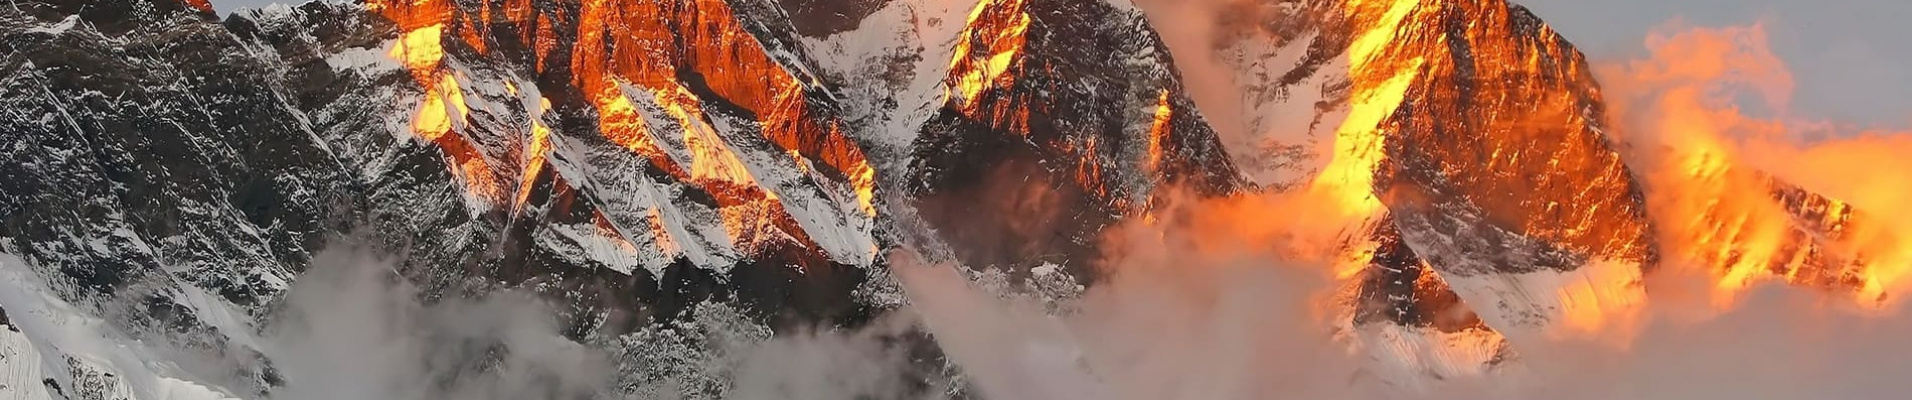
(624, 49)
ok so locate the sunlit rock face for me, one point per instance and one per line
(1463, 136)
(663, 141)
(1465, 202)
(1486, 189)
(682, 175)
(1063, 118)
(629, 160)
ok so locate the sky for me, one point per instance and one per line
(1852, 59)
(225, 6)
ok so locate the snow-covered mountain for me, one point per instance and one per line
(679, 174)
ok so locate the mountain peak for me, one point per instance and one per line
(672, 175)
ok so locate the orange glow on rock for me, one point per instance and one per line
(618, 121)
(201, 5)
(411, 15)
(985, 50)
(1738, 197)
(420, 50)
(1524, 157)
(1868, 218)
(1158, 132)
(543, 39)
(862, 176)
(471, 31)
(444, 106)
(1380, 83)
(711, 159)
(1088, 171)
(535, 154)
(650, 47)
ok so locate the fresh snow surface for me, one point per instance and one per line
(58, 28)
(1527, 305)
(1285, 115)
(926, 29)
(78, 351)
(1413, 357)
(21, 367)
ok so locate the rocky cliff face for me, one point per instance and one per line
(674, 174)
(151, 162)
(1470, 145)
(632, 160)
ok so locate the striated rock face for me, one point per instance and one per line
(1470, 131)
(680, 176)
(1501, 178)
(1476, 129)
(154, 178)
(635, 162)
(1062, 118)
(1471, 144)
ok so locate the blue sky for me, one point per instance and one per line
(1852, 59)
